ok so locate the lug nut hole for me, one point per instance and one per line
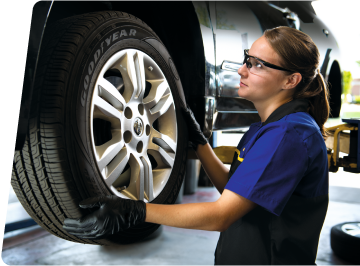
(141, 109)
(127, 136)
(147, 130)
(128, 113)
(139, 147)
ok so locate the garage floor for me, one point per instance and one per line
(35, 246)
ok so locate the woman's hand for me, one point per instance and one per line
(195, 133)
(111, 215)
(214, 168)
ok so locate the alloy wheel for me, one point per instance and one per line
(133, 126)
(352, 229)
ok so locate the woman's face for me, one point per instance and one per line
(267, 83)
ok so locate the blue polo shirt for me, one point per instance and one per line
(281, 158)
(282, 166)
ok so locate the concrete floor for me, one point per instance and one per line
(34, 246)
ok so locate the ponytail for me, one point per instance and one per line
(318, 96)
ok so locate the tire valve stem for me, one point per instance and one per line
(150, 68)
(119, 189)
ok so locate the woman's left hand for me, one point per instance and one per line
(112, 215)
(195, 133)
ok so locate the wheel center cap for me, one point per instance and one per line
(138, 126)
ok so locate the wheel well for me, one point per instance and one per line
(178, 28)
(335, 89)
(176, 24)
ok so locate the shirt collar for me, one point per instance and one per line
(294, 106)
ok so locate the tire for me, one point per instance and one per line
(345, 241)
(105, 119)
(335, 90)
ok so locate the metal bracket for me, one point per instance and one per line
(344, 142)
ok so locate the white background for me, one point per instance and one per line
(342, 17)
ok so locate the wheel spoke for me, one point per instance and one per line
(127, 72)
(136, 186)
(148, 178)
(116, 167)
(163, 159)
(106, 108)
(158, 89)
(159, 175)
(140, 75)
(160, 108)
(109, 150)
(133, 73)
(111, 94)
(163, 141)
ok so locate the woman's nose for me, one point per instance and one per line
(242, 71)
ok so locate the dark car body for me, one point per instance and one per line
(206, 41)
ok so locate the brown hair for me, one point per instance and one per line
(300, 54)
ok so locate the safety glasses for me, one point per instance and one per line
(257, 66)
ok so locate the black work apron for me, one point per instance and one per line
(229, 250)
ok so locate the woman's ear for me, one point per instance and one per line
(292, 81)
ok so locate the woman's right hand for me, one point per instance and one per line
(196, 136)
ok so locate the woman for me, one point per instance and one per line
(274, 198)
